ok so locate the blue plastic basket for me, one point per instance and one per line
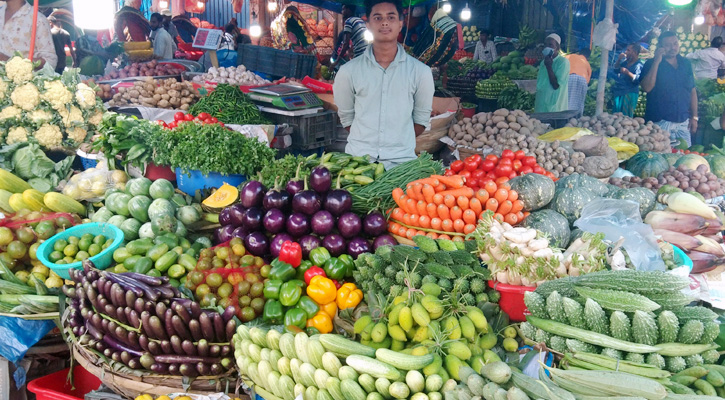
(681, 258)
(101, 260)
(86, 159)
(198, 181)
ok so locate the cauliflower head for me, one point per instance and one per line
(40, 116)
(3, 89)
(17, 134)
(96, 119)
(49, 136)
(9, 113)
(76, 134)
(19, 69)
(26, 96)
(72, 117)
(85, 96)
(57, 94)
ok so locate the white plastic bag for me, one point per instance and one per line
(605, 34)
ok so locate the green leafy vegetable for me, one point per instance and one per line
(129, 137)
(29, 162)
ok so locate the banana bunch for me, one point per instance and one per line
(527, 36)
(691, 225)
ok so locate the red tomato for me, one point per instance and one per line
(173, 125)
(204, 116)
(517, 165)
(457, 166)
(188, 117)
(478, 174)
(493, 158)
(503, 170)
(449, 173)
(502, 180)
(519, 154)
(465, 174)
(213, 120)
(513, 175)
(491, 175)
(507, 154)
(477, 158)
(506, 161)
(525, 170)
(550, 175)
(529, 160)
(179, 116)
(488, 165)
(221, 123)
(471, 165)
(538, 170)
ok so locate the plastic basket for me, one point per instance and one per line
(198, 181)
(681, 258)
(512, 299)
(87, 160)
(56, 387)
(309, 131)
(276, 62)
(155, 172)
(101, 260)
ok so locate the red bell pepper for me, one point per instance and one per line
(291, 253)
(313, 272)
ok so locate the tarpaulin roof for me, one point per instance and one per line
(336, 6)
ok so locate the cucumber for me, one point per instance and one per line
(139, 246)
(166, 261)
(372, 367)
(143, 265)
(403, 361)
(342, 347)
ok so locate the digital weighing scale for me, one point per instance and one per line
(286, 97)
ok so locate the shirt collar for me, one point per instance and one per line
(400, 56)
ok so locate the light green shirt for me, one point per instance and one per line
(381, 105)
(548, 99)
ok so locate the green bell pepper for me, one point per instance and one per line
(295, 317)
(273, 313)
(272, 288)
(290, 294)
(311, 331)
(298, 282)
(282, 271)
(304, 266)
(335, 269)
(349, 263)
(319, 256)
(308, 305)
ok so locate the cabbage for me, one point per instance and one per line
(28, 161)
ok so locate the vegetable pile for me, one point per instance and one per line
(514, 98)
(648, 136)
(229, 105)
(151, 68)
(156, 93)
(128, 137)
(235, 76)
(700, 181)
(478, 171)
(493, 87)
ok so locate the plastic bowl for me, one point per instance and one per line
(101, 260)
(56, 387)
(512, 299)
(681, 258)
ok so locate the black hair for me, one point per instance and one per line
(229, 28)
(156, 16)
(667, 34)
(586, 52)
(637, 48)
(350, 7)
(716, 42)
(369, 4)
(486, 31)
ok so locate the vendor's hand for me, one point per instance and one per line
(658, 54)
(548, 61)
(622, 56)
(622, 70)
(692, 126)
(3, 57)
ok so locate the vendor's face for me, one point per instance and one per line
(550, 42)
(385, 23)
(671, 45)
(155, 23)
(483, 37)
(631, 53)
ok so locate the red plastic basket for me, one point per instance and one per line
(512, 299)
(56, 386)
(154, 172)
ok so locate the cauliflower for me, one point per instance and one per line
(9, 113)
(72, 117)
(96, 119)
(26, 96)
(57, 94)
(3, 89)
(17, 134)
(85, 96)
(19, 69)
(76, 134)
(49, 136)
(40, 116)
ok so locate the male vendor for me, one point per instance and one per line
(384, 97)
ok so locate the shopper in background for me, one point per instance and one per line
(16, 24)
(485, 49)
(61, 39)
(353, 34)
(169, 24)
(580, 72)
(671, 95)
(706, 62)
(385, 96)
(627, 73)
(164, 46)
(552, 84)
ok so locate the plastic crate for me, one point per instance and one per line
(56, 387)
(87, 160)
(309, 131)
(198, 181)
(276, 62)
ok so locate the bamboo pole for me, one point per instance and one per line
(609, 13)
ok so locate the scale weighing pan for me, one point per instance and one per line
(289, 97)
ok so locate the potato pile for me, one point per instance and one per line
(700, 180)
(157, 93)
(152, 68)
(648, 136)
(515, 130)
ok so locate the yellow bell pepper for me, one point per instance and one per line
(348, 296)
(322, 290)
(321, 321)
(329, 309)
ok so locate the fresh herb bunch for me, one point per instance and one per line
(230, 105)
(284, 170)
(211, 148)
(127, 136)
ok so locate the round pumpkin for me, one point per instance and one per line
(647, 164)
(692, 161)
(645, 197)
(717, 165)
(535, 190)
(551, 223)
(596, 186)
(570, 200)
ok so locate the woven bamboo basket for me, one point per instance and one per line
(131, 386)
(430, 141)
(465, 152)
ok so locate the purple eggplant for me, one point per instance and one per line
(274, 221)
(322, 223)
(296, 184)
(276, 198)
(338, 202)
(375, 224)
(297, 225)
(335, 244)
(358, 246)
(276, 244)
(384, 240)
(236, 214)
(224, 234)
(241, 232)
(253, 219)
(225, 217)
(307, 202)
(309, 242)
(349, 225)
(257, 244)
(252, 194)
(320, 179)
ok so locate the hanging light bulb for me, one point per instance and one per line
(93, 14)
(200, 4)
(446, 7)
(679, 2)
(163, 4)
(699, 20)
(272, 5)
(368, 36)
(466, 13)
(255, 30)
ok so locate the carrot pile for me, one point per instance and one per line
(443, 207)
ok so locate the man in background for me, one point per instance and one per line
(169, 25)
(552, 84)
(164, 46)
(627, 72)
(485, 49)
(61, 39)
(580, 72)
(706, 62)
(353, 33)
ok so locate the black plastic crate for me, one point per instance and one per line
(309, 131)
(276, 62)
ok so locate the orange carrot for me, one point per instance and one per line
(424, 221)
(463, 202)
(465, 191)
(469, 216)
(393, 226)
(432, 180)
(418, 190)
(458, 225)
(447, 225)
(513, 195)
(444, 236)
(431, 210)
(411, 233)
(397, 192)
(400, 200)
(443, 212)
(410, 206)
(415, 220)
(428, 193)
(469, 228)
(501, 195)
(402, 230)
(482, 195)
(441, 187)
(498, 217)
(438, 198)
(518, 205)
(491, 188)
(449, 200)
(457, 238)
(432, 235)
(455, 181)
(420, 207)
(409, 192)
(397, 214)
(505, 207)
(492, 205)
(501, 180)
(475, 205)
(456, 213)
(406, 219)
(435, 223)
(511, 219)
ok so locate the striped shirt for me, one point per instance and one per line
(356, 28)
